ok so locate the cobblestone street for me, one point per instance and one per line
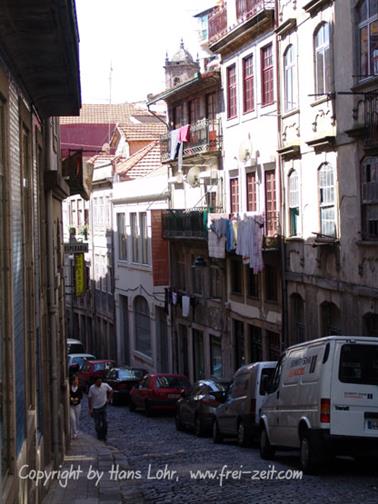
(151, 444)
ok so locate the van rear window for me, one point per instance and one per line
(359, 364)
(266, 372)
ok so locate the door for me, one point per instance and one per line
(354, 395)
(162, 338)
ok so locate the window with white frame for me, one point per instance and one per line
(322, 59)
(142, 326)
(369, 197)
(293, 186)
(367, 11)
(326, 177)
(290, 102)
(139, 238)
(122, 237)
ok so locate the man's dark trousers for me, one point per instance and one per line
(101, 424)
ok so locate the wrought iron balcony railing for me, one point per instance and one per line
(218, 22)
(245, 9)
(205, 136)
(371, 119)
(185, 224)
(271, 230)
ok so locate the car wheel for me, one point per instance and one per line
(198, 429)
(310, 456)
(179, 425)
(243, 437)
(131, 405)
(266, 450)
(147, 408)
(217, 436)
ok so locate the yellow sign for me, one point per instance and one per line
(79, 275)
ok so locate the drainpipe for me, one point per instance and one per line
(282, 193)
(53, 312)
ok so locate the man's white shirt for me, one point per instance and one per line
(99, 395)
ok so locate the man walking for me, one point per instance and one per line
(98, 397)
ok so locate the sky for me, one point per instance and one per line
(132, 37)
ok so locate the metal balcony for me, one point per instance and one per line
(205, 137)
(218, 22)
(272, 231)
(185, 224)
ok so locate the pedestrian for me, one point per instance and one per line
(76, 396)
(98, 397)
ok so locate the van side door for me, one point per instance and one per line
(271, 406)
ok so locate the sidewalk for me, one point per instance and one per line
(88, 462)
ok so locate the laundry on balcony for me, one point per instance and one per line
(246, 236)
(178, 136)
(184, 133)
(185, 306)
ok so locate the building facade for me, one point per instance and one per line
(328, 148)
(242, 33)
(32, 333)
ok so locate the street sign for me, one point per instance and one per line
(79, 275)
(75, 248)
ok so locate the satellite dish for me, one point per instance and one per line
(192, 177)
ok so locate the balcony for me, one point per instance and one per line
(217, 22)
(255, 12)
(205, 137)
(271, 231)
(185, 224)
(371, 121)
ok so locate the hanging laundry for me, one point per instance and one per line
(184, 133)
(185, 306)
(216, 245)
(175, 143)
(174, 298)
(230, 237)
(256, 261)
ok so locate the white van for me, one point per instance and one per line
(323, 399)
(239, 415)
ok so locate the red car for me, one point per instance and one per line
(93, 369)
(158, 392)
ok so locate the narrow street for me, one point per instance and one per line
(151, 444)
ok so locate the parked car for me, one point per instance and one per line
(239, 415)
(122, 380)
(158, 392)
(93, 369)
(74, 346)
(323, 400)
(75, 362)
(196, 409)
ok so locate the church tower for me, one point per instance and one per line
(180, 68)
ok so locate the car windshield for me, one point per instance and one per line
(99, 366)
(171, 382)
(129, 374)
(359, 364)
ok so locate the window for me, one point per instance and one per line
(370, 198)
(231, 92)
(198, 355)
(368, 40)
(236, 276)
(248, 81)
(271, 283)
(297, 333)
(122, 241)
(270, 202)
(255, 344)
(215, 356)
(289, 79)
(197, 278)
(322, 59)
(216, 276)
(253, 283)
(211, 107)
(239, 343)
(234, 195)
(194, 110)
(134, 236)
(267, 75)
(359, 364)
(143, 238)
(142, 326)
(251, 192)
(178, 119)
(327, 200)
(370, 321)
(273, 345)
(330, 319)
(293, 203)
